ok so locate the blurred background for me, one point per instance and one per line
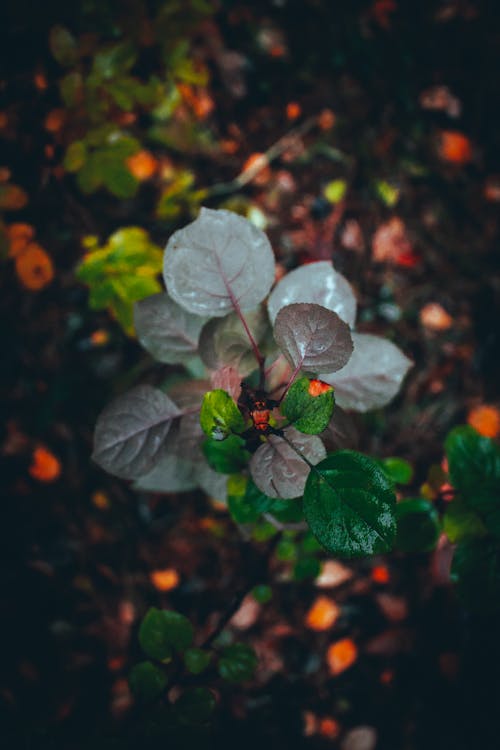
(365, 132)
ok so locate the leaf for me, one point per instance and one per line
(63, 46)
(219, 415)
(147, 681)
(195, 706)
(309, 413)
(196, 660)
(306, 567)
(262, 593)
(170, 474)
(318, 283)
(245, 501)
(418, 525)
(313, 338)
(115, 59)
(373, 375)
(131, 430)
(237, 663)
(226, 456)
(211, 482)
(217, 264)
(349, 505)
(163, 631)
(165, 329)
(398, 470)
(476, 571)
(75, 156)
(277, 469)
(224, 341)
(459, 522)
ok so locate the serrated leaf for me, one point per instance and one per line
(278, 470)
(349, 505)
(418, 525)
(476, 571)
(218, 263)
(219, 415)
(147, 681)
(307, 407)
(373, 375)
(225, 343)
(318, 283)
(163, 631)
(167, 331)
(237, 663)
(226, 456)
(313, 338)
(131, 430)
(196, 660)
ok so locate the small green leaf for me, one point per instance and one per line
(226, 456)
(75, 156)
(388, 194)
(196, 660)
(476, 571)
(335, 191)
(349, 505)
(398, 470)
(70, 88)
(219, 415)
(237, 663)
(306, 567)
(286, 551)
(63, 46)
(262, 593)
(418, 525)
(195, 706)
(245, 501)
(162, 631)
(118, 58)
(307, 407)
(147, 681)
(459, 522)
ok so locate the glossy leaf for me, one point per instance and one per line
(224, 341)
(309, 409)
(418, 525)
(130, 432)
(227, 456)
(318, 283)
(476, 571)
(373, 375)
(313, 338)
(165, 329)
(278, 470)
(398, 470)
(197, 660)
(163, 631)
(349, 505)
(218, 263)
(237, 663)
(147, 681)
(219, 415)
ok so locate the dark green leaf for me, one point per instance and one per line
(245, 501)
(459, 522)
(195, 706)
(63, 46)
(116, 59)
(237, 663)
(196, 660)
(286, 550)
(398, 470)
(162, 631)
(147, 681)
(476, 570)
(71, 88)
(418, 525)
(262, 593)
(349, 505)
(306, 567)
(308, 405)
(219, 415)
(226, 456)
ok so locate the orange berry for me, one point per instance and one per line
(164, 580)
(380, 574)
(142, 165)
(455, 147)
(293, 110)
(45, 467)
(485, 419)
(329, 728)
(34, 267)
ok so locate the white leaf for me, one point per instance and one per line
(373, 375)
(276, 468)
(165, 329)
(318, 283)
(218, 263)
(312, 337)
(131, 431)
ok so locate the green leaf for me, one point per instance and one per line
(162, 631)
(195, 706)
(226, 456)
(476, 571)
(308, 412)
(75, 156)
(118, 179)
(388, 194)
(349, 505)
(196, 660)
(116, 59)
(286, 551)
(459, 522)
(237, 663)
(306, 567)
(63, 46)
(147, 681)
(70, 88)
(262, 593)
(398, 470)
(245, 501)
(335, 191)
(219, 415)
(418, 525)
